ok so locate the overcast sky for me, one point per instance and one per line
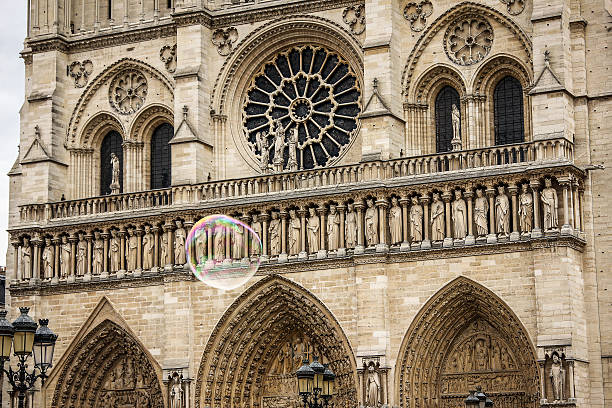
(13, 31)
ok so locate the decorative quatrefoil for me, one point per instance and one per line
(417, 14)
(224, 39)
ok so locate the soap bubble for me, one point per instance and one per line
(223, 252)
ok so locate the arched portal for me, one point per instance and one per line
(257, 345)
(108, 368)
(463, 337)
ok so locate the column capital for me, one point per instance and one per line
(490, 191)
(468, 193)
(264, 216)
(565, 181)
(382, 203)
(535, 184)
(425, 199)
(404, 201)
(513, 189)
(321, 210)
(283, 214)
(446, 196)
(359, 206)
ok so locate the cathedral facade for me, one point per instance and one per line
(426, 176)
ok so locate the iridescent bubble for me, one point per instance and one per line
(223, 252)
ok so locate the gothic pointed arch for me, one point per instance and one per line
(465, 336)
(105, 365)
(254, 350)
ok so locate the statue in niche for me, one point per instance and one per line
(256, 227)
(115, 182)
(164, 256)
(481, 211)
(114, 252)
(274, 229)
(373, 387)
(295, 230)
(219, 242)
(179, 244)
(293, 141)
(263, 146)
(132, 248)
(148, 246)
(312, 228)
(47, 258)
(459, 215)
(81, 255)
(98, 254)
(26, 258)
(550, 207)
(557, 378)
(177, 394)
(371, 223)
(66, 251)
(350, 226)
(525, 211)
(416, 220)
(395, 222)
(456, 121)
(333, 228)
(437, 218)
(279, 145)
(237, 242)
(502, 212)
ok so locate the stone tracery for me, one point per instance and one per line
(468, 41)
(128, 91)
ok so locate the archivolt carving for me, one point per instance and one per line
(498, 67)
(148, 118)
(456, 13)
(102, 79)
(108, 368)
(437, 75)
(246, 343)
(99, 124)
(466, 336)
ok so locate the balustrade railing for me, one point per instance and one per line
(552, 150)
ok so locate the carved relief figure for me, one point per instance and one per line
(98, 254)
(350, 226)
(550, 207)
(456, 121)
(557, 378)
(47, 258)
(164, 258)
(502, 212)
(179, 244)
(437, 218)
(333, 228)
(148, 246)
(177, 394)
(293, 141)
(132, 248)
(219, 242)
(26, 258)
(416, 220)
(371, 223)
(459, 216)
(395, 222)
(114, 252)
(81, 255)
(481, 356)
(275, 234)
(294, 233)
(373, 388)
(279, 144)
(313, 231)
(525, 211)
(115, 182)
(256, 227)
(264, 148)
(481, 211)
(237, 242)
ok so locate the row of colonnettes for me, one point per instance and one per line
(414, 221)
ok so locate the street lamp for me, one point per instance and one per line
(26, 338)
(315, 384)
(478, 399)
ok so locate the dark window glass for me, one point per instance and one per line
(110, 9)
(160, 156)
(112, 143)
(2, 289)
(445, 100)
(508, 112)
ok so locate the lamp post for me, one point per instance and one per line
(478, 399)
(25, 337)
(315, 384)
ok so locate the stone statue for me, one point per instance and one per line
(264, 148)
(132, 250)
(237, 242)
(295, 231)
(256, 227)
(47, 258)
(279, 145)
(98, 254)
(550, 206)
(114, 252)
(115, 182)
(481, 356)
(350, 226)
(395, 222)
(481, 211)
(373, 388)
(502, 212)
(219, 242)
(177, 394)
(333, 228)
(164, 256)
(313, 231)
(525, 211)
(459, 216)
(26, 259)
(81, 256)
(293, 141)
(148, 247)
(437, 218)
(416, 220)
(371, 223)
(274, 229)
(179, 244)
(456, 121)
(557, 378)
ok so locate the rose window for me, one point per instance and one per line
(468, 41)
(128, 92)
(301, 106)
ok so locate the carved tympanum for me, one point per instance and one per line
(128, 91)
(468, 41)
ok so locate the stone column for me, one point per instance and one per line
(448, 236)
(322, 232)
(570, 375)
(155, 230)
(139, 233)
(264, 226)
(424, 199)
(581, 206)
(576, 201)
(17, 276)
(37, 243)
(469, 198)
(536, 232)
(404, 201)
(513, 190)
(283, 255)
(209, 244)
(302, 213)
(342, 244)
(168, 228)
(359, 249)
(122, 234)
(73, 247)
(492, 237)
(105, 237)
(88, 268)
(383, 223)
(246, 220)
(56, 260)
(566, 228)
